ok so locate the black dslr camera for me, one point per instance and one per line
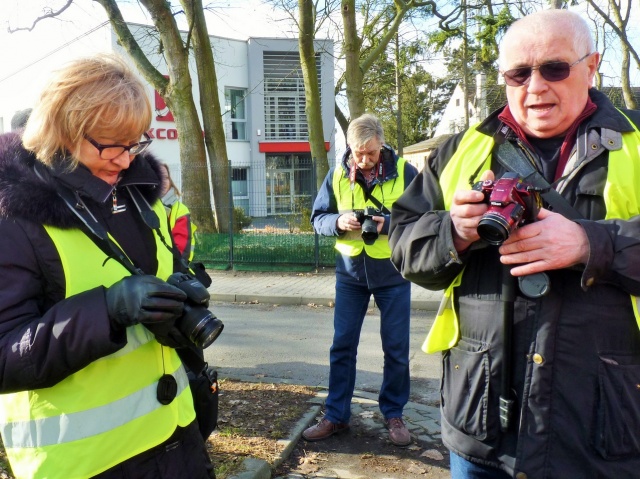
(512, 203)
(369, 225)
(197, 323)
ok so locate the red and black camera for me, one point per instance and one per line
(512, 203)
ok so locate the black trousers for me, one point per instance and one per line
(182, 456)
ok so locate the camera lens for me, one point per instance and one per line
(369, 231)
(200, 325)
(494, 228)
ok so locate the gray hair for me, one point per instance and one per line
(364, 129)
(538, 24)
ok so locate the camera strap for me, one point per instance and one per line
(376, 201)
(192, 359)
(514, 160)
(95, 231)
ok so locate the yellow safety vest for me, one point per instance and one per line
(621, 197)
(107, 412)
(351, 243)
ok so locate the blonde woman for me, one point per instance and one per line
(91, 383)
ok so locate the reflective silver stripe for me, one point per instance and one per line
(83, 424)
(136, 336)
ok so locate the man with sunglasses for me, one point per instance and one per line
(541, 366)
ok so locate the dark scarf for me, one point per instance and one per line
(569, 137)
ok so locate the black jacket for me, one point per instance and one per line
(576, 352)
(43, 336)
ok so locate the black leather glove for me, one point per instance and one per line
(147, 300)
(171, 337)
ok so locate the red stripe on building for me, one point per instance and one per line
(287, 146)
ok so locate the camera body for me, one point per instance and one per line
(197, 323)
(512, 203)
(368, 224)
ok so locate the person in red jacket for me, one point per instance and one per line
(182, 228)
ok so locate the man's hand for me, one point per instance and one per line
(466, 210)
(348, 222)
(552, 242)
(380, 221)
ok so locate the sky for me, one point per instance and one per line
(27, 57)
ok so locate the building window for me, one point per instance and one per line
(290, 185)
(240, 188)
(284, 100)
(236, 120)
(457, 101)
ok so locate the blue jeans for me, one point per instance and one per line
(352, 301)
(463, 469)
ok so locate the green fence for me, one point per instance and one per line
(272, 205)
(266, 251)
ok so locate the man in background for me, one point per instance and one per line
(353, 205)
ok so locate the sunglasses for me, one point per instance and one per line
(552, 71)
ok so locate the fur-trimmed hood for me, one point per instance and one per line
(31, 195)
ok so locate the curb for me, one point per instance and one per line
(426, 305)
(260, 469)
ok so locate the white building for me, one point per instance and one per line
(453, 117)
(261, 92)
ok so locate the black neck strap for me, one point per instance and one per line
(513, 159)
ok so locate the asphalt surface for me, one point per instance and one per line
(280, 288)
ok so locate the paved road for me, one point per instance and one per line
(262, 341)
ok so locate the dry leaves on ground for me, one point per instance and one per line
(252, 418)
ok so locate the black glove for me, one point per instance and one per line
(171, 337)
(147, 300)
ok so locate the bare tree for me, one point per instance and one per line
(618, 21)
(178, 95)
(358, 60)
(313, 109)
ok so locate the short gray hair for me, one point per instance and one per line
(538, 23)
(364, 129)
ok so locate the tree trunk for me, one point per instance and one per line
(627, 93)
(311, 89)
(353, 71)
(214, 135)
(178, 96)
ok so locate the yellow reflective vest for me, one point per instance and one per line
(107, 412)
(351, 243)
(621, 197)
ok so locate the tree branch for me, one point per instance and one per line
(49, 14)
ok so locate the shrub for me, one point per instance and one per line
(240, 220)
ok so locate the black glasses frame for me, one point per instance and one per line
(143, 145)
(552, 71)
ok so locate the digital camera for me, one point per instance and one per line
(197, 323)
(368, 224)
(512, 203)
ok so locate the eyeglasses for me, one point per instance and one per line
(109, 152)
(552, 71)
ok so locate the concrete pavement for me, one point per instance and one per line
(423, 421)
(293, 288)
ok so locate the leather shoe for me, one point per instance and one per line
(398, 432)
(323, 430)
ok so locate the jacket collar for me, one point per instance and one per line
(606, 116)
(389, 159)
(32, 195)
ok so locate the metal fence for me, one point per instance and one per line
(272, 206)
